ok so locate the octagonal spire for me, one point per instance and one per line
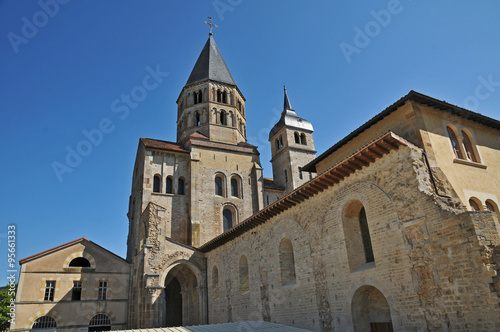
(210, 65)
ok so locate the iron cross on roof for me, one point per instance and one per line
(212, 25)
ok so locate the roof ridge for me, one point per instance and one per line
(415, 96)
(48, 251)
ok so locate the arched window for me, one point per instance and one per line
(474, 204)
(297, 138)
(169, 189)
(281, 141)
(357, 235)
(215, 282)
(303, 140)
(223, 118)
(227, 219)
(235, 187)
(80, 262)
(195, 98)
(365, 235)
(197, 119)
(239, 105)
(100, 322)
(277, 144)
(156, 184)
(469, 149)
(219, 96)
(287, 262)
(492, 207)
(454, 143)
(200, 97)
(219, 185)
(233, 120)
(244, 279)
(45, 323)
(224, 97)
(181, 190)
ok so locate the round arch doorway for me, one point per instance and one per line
(182, 297)
(371, 311)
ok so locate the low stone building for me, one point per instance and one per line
(77, 286)
(394, 228)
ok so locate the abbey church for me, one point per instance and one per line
(393, 228)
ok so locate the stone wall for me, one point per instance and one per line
(433, 265)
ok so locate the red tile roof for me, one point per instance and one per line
(270, 184)
(163, 145)
(46, 252)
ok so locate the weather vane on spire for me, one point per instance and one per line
(212, 25)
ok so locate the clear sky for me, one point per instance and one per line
(66, 65)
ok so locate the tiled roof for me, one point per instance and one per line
(226, 327)
(163, 145)
(337, 173)
(49, 251)
(415, 96)
(270, 184)
(198, 135)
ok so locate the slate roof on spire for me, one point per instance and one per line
(290, 119)
(286, 104)
(210, 65)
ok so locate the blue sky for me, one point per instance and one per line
(64, 64)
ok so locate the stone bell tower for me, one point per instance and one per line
(292, 147)
(210, 102)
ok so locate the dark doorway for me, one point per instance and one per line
(173, 299)
(371, 311)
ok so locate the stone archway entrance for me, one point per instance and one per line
(370, 311)
(173, 303)
(182, 297)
